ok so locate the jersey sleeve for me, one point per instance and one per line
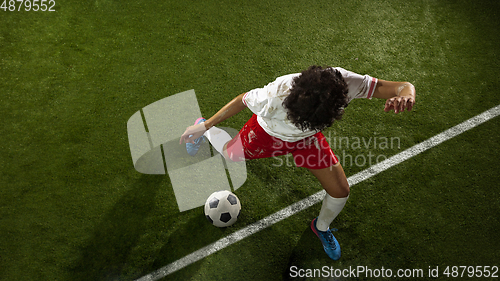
(267, 102)
(257, 101)
(359, 86)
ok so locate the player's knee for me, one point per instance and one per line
(225, 154)
(341, 190)
(338, 189)
(344, 190)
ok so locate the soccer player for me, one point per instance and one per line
(289, 115)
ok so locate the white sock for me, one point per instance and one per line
(218, 138)
(329, 210)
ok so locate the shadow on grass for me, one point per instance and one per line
(107, 252)
(308, 254)
(195, 234)
(305, 248)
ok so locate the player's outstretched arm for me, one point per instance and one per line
(230, 109)
(400, 96)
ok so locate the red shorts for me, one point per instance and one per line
(252, 142)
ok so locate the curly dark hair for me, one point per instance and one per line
(317, 98)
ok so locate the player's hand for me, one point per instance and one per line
(193, 132)
(399, 104)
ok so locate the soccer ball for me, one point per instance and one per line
(222, 208)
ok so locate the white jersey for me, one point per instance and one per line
(266, 103)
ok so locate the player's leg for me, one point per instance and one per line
(239, 148)
(334, 181)
(316, 155)
(225, 154)
(335, 184)
(251, 142)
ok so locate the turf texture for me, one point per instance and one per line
(72, 207)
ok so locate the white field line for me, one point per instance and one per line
(318, 197)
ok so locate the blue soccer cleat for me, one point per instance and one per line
(192, 149)
(330, 244)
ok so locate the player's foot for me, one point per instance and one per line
(191, 148)
(330, 244)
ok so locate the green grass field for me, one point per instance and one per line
(72, 206)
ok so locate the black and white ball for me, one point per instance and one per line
(222, 208)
